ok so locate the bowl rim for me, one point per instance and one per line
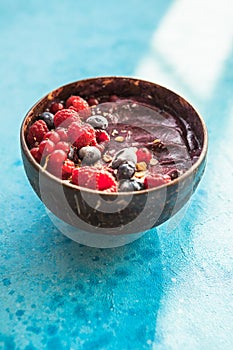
(68, 184)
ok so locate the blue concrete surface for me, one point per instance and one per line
(172, 289)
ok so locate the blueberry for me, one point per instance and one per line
(98, 122)
(47, 117)
(130, 185)
(125, 170)
(123, 156)
(89, 154)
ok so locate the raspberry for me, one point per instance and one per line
(36, 154)
(52, 136)
(65, 117)
(81, 135)
(106, 182)
(77, 102)
(46, 147)
(67, 169)
(94, 179)
(156, 180)
(101, 136)
(36, 132)
(63, 145)
(55, 107)
(55, 162)
(62, 134)
(143, 155)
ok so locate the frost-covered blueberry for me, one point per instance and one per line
(125, 170)
(130, 185)
(89, 154)
(123, 156)
(98, 122)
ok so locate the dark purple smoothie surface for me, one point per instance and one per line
(172, 142)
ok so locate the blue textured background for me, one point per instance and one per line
(172, 289)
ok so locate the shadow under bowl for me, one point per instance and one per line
(116, 213)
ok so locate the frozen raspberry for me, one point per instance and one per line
(46, 147)
(77, 102)
(55, 162)
(85, 177)
(94, 179)
(63, 145)
(52, 136)
(143, 155)
(106, 182)
(65, 117)
(62, 134)
(55, 107)
(156, 180)
(101, 136)
(81, 135)
(67, 169)
(36, 132)
(36, 154)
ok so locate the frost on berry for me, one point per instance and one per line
(65, 117)
(55, 162)
(155, 180)
(77, 103)
(81, 135)
(93, 178)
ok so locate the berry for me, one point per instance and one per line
(125, 170)
(92, 101)
(36, 154)
(113, 98)
(67, 169)
(98, 122)
(123, 156)
(36, 132)
(48, 118)
(81, 135)
(46, 147)
(52, 136)
(63, 145)
(106, 182)
(101, 136)
(62, 134)
(130, 185)
(55, 107)
(65, 117)
(89, 154)
(78, 103)
(173, 173)
(143, 155)
(156, 180)
(55, 162)
(94, 179)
